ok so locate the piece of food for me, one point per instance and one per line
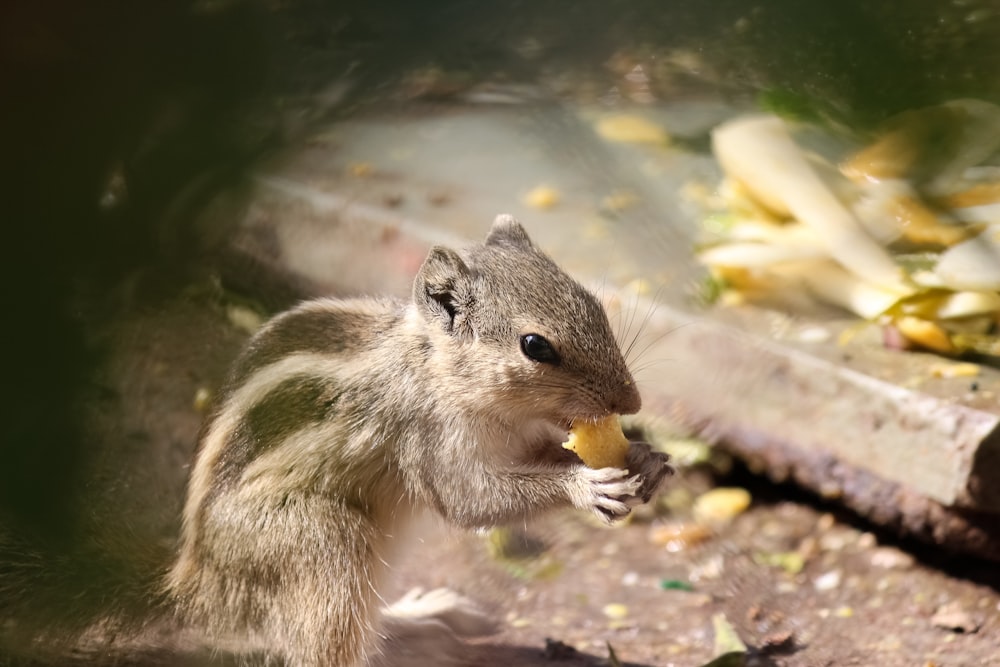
(599, 444)
(835, 285)
(904, 145)
(973, 264)
(721, 505)
(629, 129)
(758, 151)
(542, 197)
(680, 535)
(924, 333)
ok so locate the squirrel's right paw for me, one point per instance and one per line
(604, 491)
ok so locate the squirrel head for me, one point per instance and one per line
(532, 342)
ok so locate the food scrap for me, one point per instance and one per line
(954, 370)
(678, 536)
(361, 169)
(903, 232)
(202, 399)
(542, 197)
(721, 504)
(599, 444)
(618, 202)
(630, 129)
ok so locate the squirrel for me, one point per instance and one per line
(343, 419)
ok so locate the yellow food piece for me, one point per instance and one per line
(629, 129)
(721, 505)
(679, 536)
(954, 370)
(361, 169)
(926, 333)
(542, 197)
(599, 444)
(759, 203)
(908, 141)
(920, 225)
(615, 611)
(980, 194)
(618, 201)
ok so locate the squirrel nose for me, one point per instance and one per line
(627, 400)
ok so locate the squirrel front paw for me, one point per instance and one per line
(605, 492)
(650, 467)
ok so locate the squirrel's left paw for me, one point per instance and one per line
(650, 467)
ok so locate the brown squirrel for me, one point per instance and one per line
(342, 419)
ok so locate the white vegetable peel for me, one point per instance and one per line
(759, 151)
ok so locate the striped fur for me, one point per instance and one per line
(343, 417)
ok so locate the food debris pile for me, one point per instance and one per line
(903, 231)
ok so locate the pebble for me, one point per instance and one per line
(814, 335)
(828, 581)
(786, 587)
(837, 540)
(615, 611)
(889, 558)
(708, 570)
(951, 616)
(679, 536)
(610, 549)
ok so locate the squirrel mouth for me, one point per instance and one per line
(568, 424)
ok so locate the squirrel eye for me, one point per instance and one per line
(536, 348)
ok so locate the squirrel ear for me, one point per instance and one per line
(507, 230)
(441, 286)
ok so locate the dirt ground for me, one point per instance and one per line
(798, 583)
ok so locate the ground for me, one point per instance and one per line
(799, 582)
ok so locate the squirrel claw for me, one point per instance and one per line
(605, 491)
(651, 467)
